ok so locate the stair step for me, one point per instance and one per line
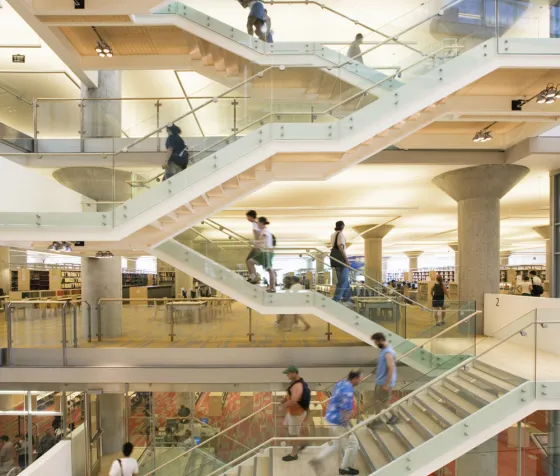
(471, 389)
(410, 437)
(489, 380)
(454, 400)
(247, 469)
(390, 441)
(262, 466)
(421, 419)
(437, 410)
(374, 453)
(498, 373)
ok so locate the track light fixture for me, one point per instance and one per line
(103, 254)
(548, 95)
(102, 48)
(484, 135)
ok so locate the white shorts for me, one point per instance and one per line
(293, 423)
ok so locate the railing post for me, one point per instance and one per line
(157, 105)
(75, 324)
(99, 306)
(171, 315)
(250, 334)
(88, 310)
(64, 358)
(234, 128)
(82, 105)
(9, 331)
(35, 131)
(328, 333)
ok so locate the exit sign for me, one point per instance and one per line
(80, 4)
(18, 58)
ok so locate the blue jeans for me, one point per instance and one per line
(342, 291)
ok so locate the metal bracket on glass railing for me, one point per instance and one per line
(9, 330)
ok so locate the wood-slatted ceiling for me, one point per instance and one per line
(133, 40)
(512, 82)
(467, 127)
(92, 19)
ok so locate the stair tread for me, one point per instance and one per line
(409, 433)
(391, 440)
(263, 466)
(491, 379)
(431, 404)
(471, 388)
(456, 399)
(498, 373)
(376, 456)
(422, 418)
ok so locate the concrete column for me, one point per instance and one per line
(373, 250)
(480, 461)
(112, 422)
(478, 191)
(544, 231)
(413, 259)
(102, 278)
(5, 275)
(103, 118)
(504, 258)
(319, 262)
(455, 248)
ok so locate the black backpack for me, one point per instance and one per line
(537, 289)
(305, 396)
(273, 240)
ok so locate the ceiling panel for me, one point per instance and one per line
(512, 82)
(453, 127)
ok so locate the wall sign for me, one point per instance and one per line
(18, 58)
(80, 4)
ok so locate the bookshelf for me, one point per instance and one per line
(510, 274)
(166, 277)
(130, 280)
(71, 280)
(39, 280)
(14, 282)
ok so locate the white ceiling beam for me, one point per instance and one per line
(56, 42)
(439, 157)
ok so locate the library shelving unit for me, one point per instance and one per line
(509, 274)
(130, 280)
(166, 277)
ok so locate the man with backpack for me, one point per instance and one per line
(126, 466)
(536, 284)
(297, 405)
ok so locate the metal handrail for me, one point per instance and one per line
(332, 10)
(263, 119)
(248, 243)
(376, 416)
(275, 403)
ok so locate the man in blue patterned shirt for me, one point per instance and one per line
(338, 417)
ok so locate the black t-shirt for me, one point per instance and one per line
(175, 142)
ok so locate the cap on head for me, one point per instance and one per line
(292, 369)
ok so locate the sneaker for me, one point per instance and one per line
(271, 290)
(348, 471)
(393, 420)
(289, 458)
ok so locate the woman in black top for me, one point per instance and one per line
(439, 291)
(177, 152)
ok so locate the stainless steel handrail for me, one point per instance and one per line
(325, 439)
(248, 243)
(373, 417)
(332, 10)
(263, 119)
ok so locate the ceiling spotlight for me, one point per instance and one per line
(102, 48)
(99, 49)
(541, 98)
(550, 91)
(484, 135)
(66, 247)
(103, 254)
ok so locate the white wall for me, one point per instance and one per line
(78, 437)
(24, 190)
(57, 461)
(505, 314)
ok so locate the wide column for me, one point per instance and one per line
(112, 422)
(373, 250)
(103, 118)
(455, 248)
(544, 231)
(102, 278)
(478, 191)
(554, 443)
(413, 259)
(385, 267)
(504, 258)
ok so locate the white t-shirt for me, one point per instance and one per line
(266, 239)
(296, 287)
(341, 240)
(129, 467)
(525, 287)
(536, 280)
